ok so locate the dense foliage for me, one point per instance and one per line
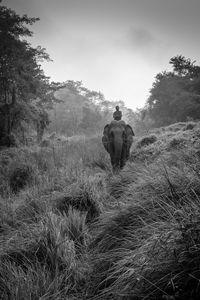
(175, 96)
(26, 95)
(25, 91)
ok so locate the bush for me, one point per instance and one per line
(147, 140)
(45, 143)
(20, 176)
(175, 127)
(176, 143)
(189, 126)
(145, 155)
(9, 141)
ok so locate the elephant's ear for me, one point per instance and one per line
(129, 130)
(106, 129)
(105, 139)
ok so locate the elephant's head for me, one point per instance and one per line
(117, 140)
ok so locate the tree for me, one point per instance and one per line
(66, 115)
(23, 85)
(184, 67)
(175, 95)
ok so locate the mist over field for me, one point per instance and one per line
(98, 200)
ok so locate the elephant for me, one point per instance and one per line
(117, 140)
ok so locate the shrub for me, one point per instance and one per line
(45, 143)
(189, 126)
(9, 141)
(176, 143)
(146, 154)
(20, 176)
(147, 140)
(175, 127)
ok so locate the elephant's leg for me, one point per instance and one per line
(112, 160)
(122, 163)
(123, 156)
(114, 163)
(123, 160)
(128, 151)
(116, 168)
(128, 144)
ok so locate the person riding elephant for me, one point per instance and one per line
(117, 115)
(117, 140)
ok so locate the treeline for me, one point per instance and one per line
(29, 102)
(81, 111)
(25, 92)
(174, 96)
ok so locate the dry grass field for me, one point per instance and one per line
(71, 229)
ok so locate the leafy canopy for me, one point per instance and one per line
(175, 96)
(25, 91)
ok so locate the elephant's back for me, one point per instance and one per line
(116, 122)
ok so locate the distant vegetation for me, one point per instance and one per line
(81, 111)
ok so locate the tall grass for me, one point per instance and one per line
(150, 248)
(151, 252)
(43, 248)
(41, 259)
(77, 231)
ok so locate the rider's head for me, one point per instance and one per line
(117, 107)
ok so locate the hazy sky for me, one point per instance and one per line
(113, 46)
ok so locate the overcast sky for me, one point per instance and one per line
(113, 46)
